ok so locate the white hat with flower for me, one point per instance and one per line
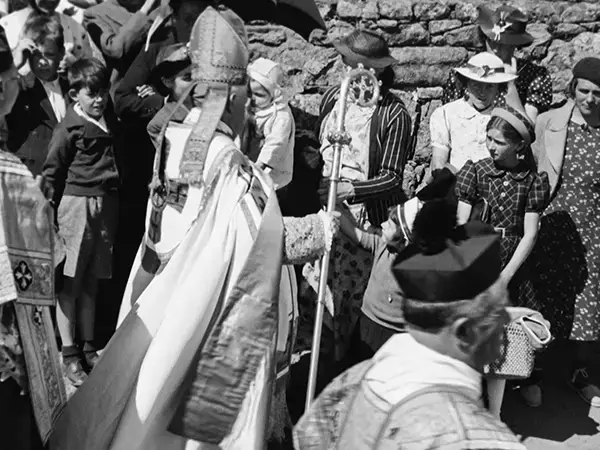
(486, 68)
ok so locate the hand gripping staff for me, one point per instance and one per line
(363, 85)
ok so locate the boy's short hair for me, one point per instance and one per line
(89, 73)
(41, 28)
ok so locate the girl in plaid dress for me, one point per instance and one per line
(513, 195)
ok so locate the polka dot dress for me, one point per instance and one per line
(534, 86)
(568, 256)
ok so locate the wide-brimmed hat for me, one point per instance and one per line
(486, 68)
(366, 48)
(506, 25)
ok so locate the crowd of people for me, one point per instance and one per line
(146, 158)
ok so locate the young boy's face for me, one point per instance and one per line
(45, 60)
(92, 103)
(179, 83)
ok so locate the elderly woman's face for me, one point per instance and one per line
(587, 97)
(482, 95)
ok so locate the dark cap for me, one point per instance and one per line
(588, 69)
(440, 186)
(464, 263)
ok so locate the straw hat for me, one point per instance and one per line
(506, 25)
(366, 48)
(486, 68)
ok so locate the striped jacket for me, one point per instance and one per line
(388, 153)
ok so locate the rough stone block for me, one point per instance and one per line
(567, 30)
(371, 11)
(426, 66)
(430, 55)
(539, 48)
(432, 93)
(350, 9)
(441, 26)
(431, 10)
(585, 12)
(465, 37)
(413, 34)
(594, 27)
(396, 9)
(466, 11)
(266, 35)
(438, 41)
(387, 24)
(548, 12)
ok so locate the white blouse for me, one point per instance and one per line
(460, 129)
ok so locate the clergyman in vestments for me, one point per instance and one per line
(208, 318)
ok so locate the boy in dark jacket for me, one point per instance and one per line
(38, 108)
(81, 179)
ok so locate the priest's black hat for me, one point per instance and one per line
(446, 263)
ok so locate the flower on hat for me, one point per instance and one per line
(500, 28)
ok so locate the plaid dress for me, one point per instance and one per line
(510, 195)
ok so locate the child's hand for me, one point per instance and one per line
(145, 91)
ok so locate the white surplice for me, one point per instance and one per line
(130, 398)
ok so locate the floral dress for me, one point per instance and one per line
(510, 194)
(350, 265)
(568, 253)
(534, 86)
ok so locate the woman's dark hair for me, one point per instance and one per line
(387, 77)
(509, 132)
(89, 73)
(41, 28)
(573, 87)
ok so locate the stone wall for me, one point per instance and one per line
(428, 38)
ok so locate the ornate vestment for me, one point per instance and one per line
(28, 350)
(192, 363)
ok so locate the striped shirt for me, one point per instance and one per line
(390, 136)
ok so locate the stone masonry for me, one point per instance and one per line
(428, 38)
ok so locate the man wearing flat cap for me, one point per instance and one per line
(423, 388)
(503, 31)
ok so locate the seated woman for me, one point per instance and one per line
(458, 129)
(503, 32)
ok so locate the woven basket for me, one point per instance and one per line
(519, 355)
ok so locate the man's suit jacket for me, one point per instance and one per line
(118, 33)
(31, 124)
